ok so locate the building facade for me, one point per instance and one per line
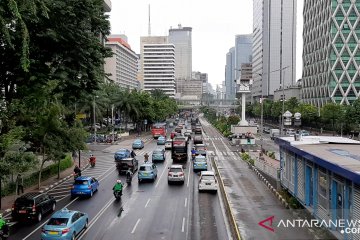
(331, 56)
(181, 38)
(158, 64)
(123, 65)
(273, 48)
(230, 74)
(322, 173)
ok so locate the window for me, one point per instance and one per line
(323, 185)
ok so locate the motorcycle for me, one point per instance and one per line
(92, 161)
(128, 180)
(76, 175)
(117, 195)
(4, 236)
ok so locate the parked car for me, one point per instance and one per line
(168, 144)
(304, 133)
(290, 132)
(32, 206)
(122, 153)
(64, 224)
(200, 163)
(127, 163)
(176, 174)
(147, 171)
(138, 144)
(207, 181)
(84, 186)
(161, 140)
(158, 155)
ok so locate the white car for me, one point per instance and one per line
(168, 144)
(207, 181)
(176, 174)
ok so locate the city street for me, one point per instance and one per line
(250, 199)
(150, 210)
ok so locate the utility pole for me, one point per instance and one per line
(94, 120)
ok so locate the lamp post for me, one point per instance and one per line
(94, 119)
(283, 100)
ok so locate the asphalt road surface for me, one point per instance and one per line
(151, 210)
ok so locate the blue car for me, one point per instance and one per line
(200, 163)
(84, 186)
(121, 154)
(138, 144)
(158, 155)
(161, 141)
(147, 171)
(64, 224)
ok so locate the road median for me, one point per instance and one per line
(231, 219)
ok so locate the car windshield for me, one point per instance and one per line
(200, 159)
(24, 202)
(81, 182)
(137, 141)
(121, 151)
(175, 170)
(126, 162)
(157, 152)
(145, 168)
(58, 221)
(207, 177)
(200, 148)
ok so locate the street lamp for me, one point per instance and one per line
(94, 118)
(283, 100)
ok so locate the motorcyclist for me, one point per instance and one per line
(146, 157)
(193, 152)
(129, 174)
(3, 226)
(118, 187)
(132, 154)
(77, 171)
(92, 158)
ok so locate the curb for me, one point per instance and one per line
(232, 221)
(271, 188)
(47, 188)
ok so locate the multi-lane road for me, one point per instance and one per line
(151, 210)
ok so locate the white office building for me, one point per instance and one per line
(274, 48)
(123, 65)
(158, 64)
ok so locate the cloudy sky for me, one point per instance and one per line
(214, 23)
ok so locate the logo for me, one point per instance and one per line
(269, 225)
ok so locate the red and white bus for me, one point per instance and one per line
(158, 129)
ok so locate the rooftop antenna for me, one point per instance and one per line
(149, 26)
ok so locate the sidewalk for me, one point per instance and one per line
(7, 201)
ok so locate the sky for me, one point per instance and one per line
(214, 26)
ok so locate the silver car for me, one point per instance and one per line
(176, 174)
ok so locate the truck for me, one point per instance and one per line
(274, 133)
(179, 151)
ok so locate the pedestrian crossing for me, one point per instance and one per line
(224, 153)
(103, 165)
(214, 138)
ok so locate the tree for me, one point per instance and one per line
(233, 120)
(309, 113)
(332, 113)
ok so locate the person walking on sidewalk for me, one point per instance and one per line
(20, 184)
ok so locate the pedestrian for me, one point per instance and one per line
(20, 184)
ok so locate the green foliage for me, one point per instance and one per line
(48, 172)
(233, 120)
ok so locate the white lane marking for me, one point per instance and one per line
(35, 230)
(185, 202)
(165, 169)
(147, 202)
(97, 216)
(137, 222)
(188, 181)
(183, 225)
(63, 207)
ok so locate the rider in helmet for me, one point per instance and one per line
(118, 187)
(3, 226)
(146, 157)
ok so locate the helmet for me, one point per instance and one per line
(118, 181)
(91, 155)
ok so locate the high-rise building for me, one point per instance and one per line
(181, 38)
(230, 74)
(274, 48)
(237, 56)
(123, 65)
(331, 52)
(204, 78)
(158, 64)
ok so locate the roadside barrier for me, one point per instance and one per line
(233, 225)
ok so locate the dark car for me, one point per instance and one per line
(33, 205)
(127, 163)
